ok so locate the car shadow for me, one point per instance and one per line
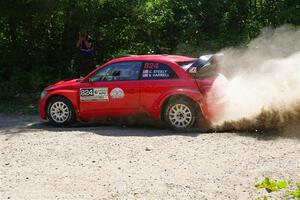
(24, 125)
(120, 130)
(13, 125)
(140, 130)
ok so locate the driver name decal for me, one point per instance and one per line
(93, 94)
(156, 71)
(149, 73)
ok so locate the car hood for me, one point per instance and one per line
(64, 84)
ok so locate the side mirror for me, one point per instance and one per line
(85, 80)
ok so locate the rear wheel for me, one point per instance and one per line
(60, 111)
(181, 114)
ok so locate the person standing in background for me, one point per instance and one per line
(87, 53)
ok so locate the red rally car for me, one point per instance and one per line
(169, 88)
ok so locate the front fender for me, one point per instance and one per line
(71, 95)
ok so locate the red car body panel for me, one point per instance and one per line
(114, 107)
(140, 95)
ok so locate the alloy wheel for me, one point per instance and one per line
(180, 115)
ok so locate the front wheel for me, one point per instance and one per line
(181, 114)
(60, 111)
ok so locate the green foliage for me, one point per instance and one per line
(37, 38)
(271, 185)
(292, 191)
(295, 194)
(20, 104)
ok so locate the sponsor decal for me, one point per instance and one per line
(117, 93)
(93, 94)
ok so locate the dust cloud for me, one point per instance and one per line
(263, 88)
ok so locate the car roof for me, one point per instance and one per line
(161, 57)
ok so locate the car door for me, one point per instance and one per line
(113, 90)
(156, 79)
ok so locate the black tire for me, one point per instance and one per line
(187, 119)
(53, 114)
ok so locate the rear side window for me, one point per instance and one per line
(157, 71)
(122, 71)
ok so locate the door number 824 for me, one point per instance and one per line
(86, 92)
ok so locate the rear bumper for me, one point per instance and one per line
(215, 110)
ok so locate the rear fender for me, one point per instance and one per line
(194, 95)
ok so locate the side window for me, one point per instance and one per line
(122, 71)
(157, 71)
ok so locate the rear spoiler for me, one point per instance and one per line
(205, 66)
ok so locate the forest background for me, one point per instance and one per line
(38, 37)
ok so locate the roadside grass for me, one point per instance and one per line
(20, 104)
(289, 190)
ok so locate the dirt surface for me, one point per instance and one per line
(113, 162)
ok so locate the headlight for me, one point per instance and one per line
(43, 94)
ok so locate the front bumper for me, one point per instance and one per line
(42, 109)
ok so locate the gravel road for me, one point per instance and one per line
(113, 162)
